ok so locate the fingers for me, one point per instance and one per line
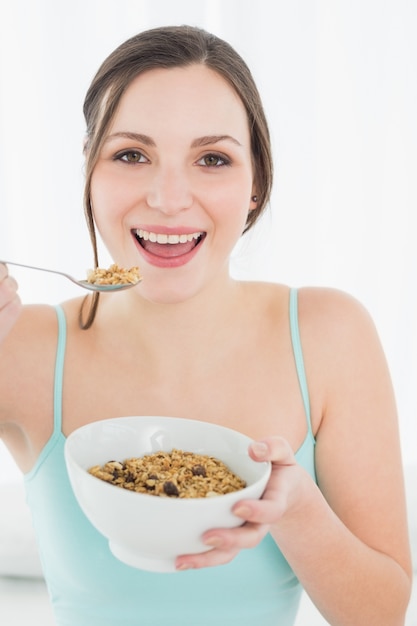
(10, 304)
(3, 271)
(8, 287)
(226, 544)
(258, 515)
(274, 449)
(211, 558)
(246, 536)
(266, 511)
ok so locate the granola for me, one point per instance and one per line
(175, 474)
(115, 275)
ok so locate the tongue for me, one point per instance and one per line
(168, 250)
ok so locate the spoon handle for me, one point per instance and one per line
(41, 269)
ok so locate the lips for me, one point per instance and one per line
(168, 245)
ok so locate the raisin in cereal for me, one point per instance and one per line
(175, 474)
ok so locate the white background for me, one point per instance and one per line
(339, 82)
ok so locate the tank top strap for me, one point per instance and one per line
(59, 368)
(298, 355)
(57, 434)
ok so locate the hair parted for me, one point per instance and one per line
(169, 47)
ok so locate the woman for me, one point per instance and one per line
(178, 166)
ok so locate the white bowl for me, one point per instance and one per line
(156, 530)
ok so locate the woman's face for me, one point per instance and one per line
(173, 183)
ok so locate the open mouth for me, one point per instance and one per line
(168, 245)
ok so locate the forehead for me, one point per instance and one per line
(186, 98)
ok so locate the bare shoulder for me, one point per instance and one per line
(331, 309)
(325, 315)
(27, 358)
(37, 326)
(345, 360)
(340, 336)
(336, 328)
(24, 354)
(34, 323)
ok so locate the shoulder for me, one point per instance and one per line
(37, 327)
(345, 359)
(34, 324)
(27, 358)
(343, 354)
(38, 322)
(322, 311)
(337, 330)
(332, 313)
(32, 335)
(330, 301)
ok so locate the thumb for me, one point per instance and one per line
(274, 449)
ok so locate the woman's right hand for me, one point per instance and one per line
(10, 305)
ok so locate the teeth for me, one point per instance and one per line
(163, 239)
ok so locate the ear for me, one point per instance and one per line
(253, 201)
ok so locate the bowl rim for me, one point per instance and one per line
(263, 477)
(209, 425)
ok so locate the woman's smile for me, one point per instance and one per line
(165, 249)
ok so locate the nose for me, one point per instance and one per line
(169, 190)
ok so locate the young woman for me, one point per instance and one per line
(178, 166)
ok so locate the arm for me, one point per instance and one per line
(364, 573)
(347, 539)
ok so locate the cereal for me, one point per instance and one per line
(175, 474)
(115, 275)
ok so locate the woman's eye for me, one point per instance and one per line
(131, 156)
(213, 160)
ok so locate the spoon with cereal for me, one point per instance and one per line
(114, 278)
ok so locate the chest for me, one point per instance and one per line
(255, 392)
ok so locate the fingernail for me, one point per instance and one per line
(214, 542)
(182, 567)
(241, 510)
(260, 449)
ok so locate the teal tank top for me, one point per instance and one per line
(88, 586)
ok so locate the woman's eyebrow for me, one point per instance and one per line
(210, 139)
(196, 143)
(145, 139)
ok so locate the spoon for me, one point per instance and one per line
(81, 283)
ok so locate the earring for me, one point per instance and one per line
(254, 198)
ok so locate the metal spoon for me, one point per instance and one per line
(81, 283)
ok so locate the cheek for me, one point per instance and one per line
(231, 206)
(107, 198)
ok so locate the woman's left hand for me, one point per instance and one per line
(281, 494)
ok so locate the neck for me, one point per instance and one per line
(162, 331)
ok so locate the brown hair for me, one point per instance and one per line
(168, 47)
